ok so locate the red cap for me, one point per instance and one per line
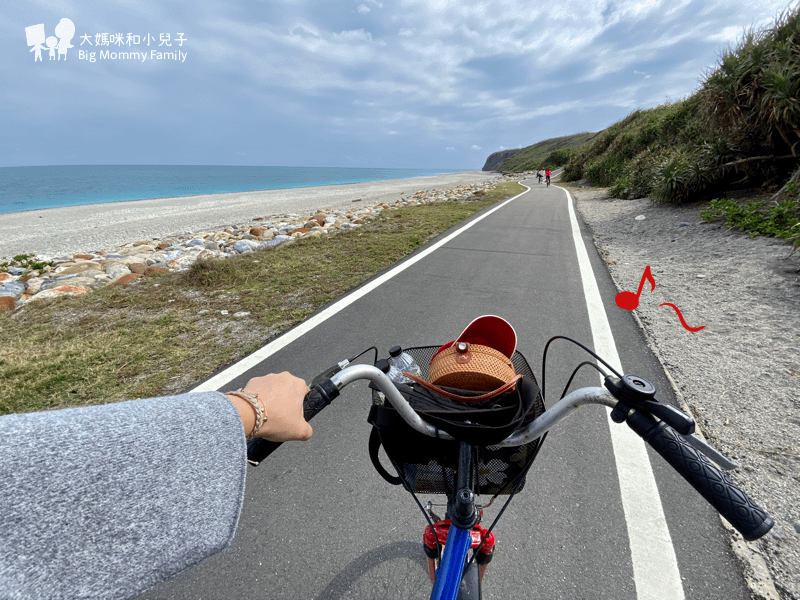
(491, 331)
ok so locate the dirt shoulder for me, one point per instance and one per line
(740, 375)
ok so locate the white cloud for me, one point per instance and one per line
(436, 72)
(399, 116)
(727, 36)
(435, 58)
(353, 35)
(550, 110)
(432, 58)
(56, 6)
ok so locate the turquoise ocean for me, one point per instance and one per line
(31, 188)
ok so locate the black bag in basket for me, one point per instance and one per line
(426, 464)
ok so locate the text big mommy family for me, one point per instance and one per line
(140, 56)
(65, 31)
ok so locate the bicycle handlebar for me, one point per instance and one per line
(724, 495)
(688, 459)
(315, 400)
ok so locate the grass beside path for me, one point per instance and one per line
(165, 333)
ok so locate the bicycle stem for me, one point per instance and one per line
(461, 505)
(463, 515)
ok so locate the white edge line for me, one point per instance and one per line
(655, 566)
(250, 361)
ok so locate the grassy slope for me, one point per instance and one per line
(545, 153)
(627, 155)
(739, 129)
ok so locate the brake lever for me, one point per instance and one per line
(710, 453)
(639, 394)
(328, 373)
(679, 421)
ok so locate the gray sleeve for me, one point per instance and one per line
(108, 501)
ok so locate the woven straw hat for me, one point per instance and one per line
(479, 359)
(488, 330)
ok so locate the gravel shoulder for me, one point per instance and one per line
(741, 374)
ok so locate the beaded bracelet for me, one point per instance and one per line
(255, 402)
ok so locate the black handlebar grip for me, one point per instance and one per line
(315, 400)
(724, 495)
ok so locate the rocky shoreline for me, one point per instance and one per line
(80, 273)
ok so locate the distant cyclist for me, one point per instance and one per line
(547, 174)
(539, 175)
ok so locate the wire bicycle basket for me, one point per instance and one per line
(429, 465)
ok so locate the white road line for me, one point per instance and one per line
(220, 379)
(655, 566)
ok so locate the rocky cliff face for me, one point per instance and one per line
(495, 161)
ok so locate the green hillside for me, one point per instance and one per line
(633, 156)
(740, 129)
(550, 153)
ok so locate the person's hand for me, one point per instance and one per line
(282, 397)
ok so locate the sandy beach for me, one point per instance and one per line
(68, 230)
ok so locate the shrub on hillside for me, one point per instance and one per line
(627, 154)
(778, 219)
(752, 100)
(742, 128)
(557, 158)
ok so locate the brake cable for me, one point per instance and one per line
(561, 337)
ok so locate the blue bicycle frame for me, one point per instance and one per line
(463, 515)
(448, 576)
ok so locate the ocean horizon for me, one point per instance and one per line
(34, 188)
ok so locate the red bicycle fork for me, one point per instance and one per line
(442, 528)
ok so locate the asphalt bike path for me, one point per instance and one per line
(319, 522)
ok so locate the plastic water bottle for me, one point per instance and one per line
(395, 375)
(402, 362)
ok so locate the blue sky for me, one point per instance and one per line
(361, 83)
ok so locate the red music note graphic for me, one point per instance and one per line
(629, 300)
(680, 316)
